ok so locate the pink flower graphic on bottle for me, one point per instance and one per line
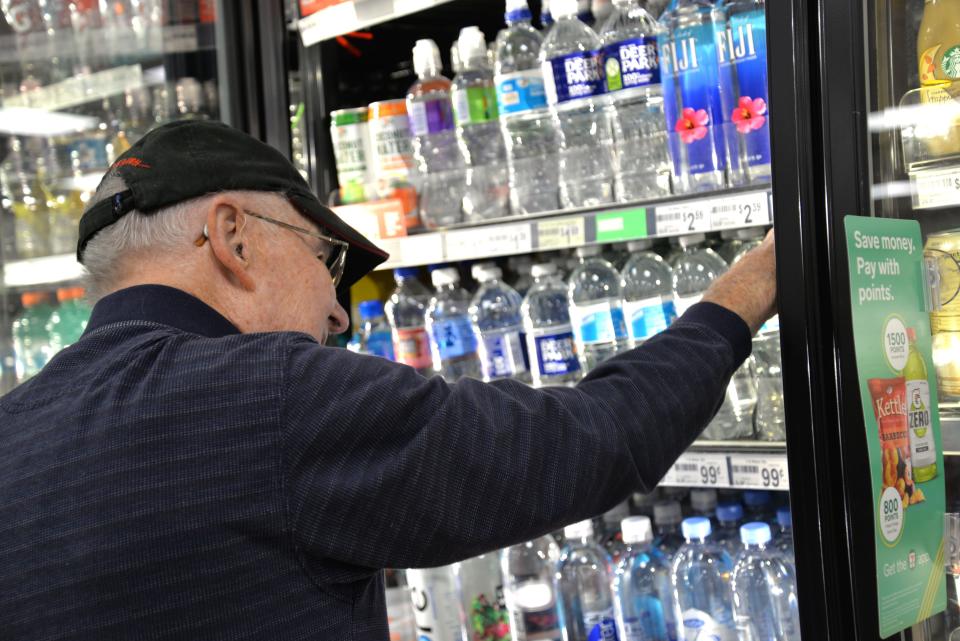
(692, 125)
(749, 114)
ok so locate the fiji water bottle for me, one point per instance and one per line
(691, 93)
(551, 345)
(742, 56)
(631, 69)
(497, 318)
(764, 590)
(453, 343)
(701, 586)
(406, 312)
(575, 92)
(528, 127)
(483, 613)
(529, 591)
(727, 535)
(583, 581)
(435, 140)
(434, 596)
(478, 131)
(647, 293)
(596, 308)
(643, 595)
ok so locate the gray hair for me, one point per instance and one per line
(170, 231)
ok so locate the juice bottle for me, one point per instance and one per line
(923, 451)
(938, 56)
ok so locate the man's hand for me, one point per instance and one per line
(749, 289)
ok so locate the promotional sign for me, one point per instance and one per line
(898, 390)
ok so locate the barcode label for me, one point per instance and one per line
(741, 211)
(686, 467)
(695, 469)
(760, 471)
(746, 469)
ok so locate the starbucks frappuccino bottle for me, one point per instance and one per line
(938, 56)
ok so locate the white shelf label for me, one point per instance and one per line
(421, 249)
(683, 218)
(180, 38)
(328, 23)
(561, 233)
(936, 188)
(695, 469)
(741, 211)
(500, 240)
(760, 471)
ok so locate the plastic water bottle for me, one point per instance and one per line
(528, 127)
(667, 516)
(400, 619)
(585, 12)
(643, 595)
(727, 535)
(546, 18)
(69, 320)
(596, 308)
(655, 7)
(497, 318)
(528, 572)
(434, 596)
(631, 70)
(374, 335)
(546, 320)
(31, 342)
(647, 293)
(581, 113)
(770, 418)
(764, 590)
(694, 269)
(784, 543)
(610, 536)
(758, 505)
(742, 56)
(435, 140)
(483, 613)
(583, 581)
(701, 583)
(704, 503)
(474, 96)
(406, 312)
(452, 340)
(694, 113)
(522, 268)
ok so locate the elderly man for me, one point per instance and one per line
(200, 466)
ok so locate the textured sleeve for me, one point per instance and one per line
(386, 468)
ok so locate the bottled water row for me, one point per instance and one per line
(636, 110)
(710, 576)
(570, 318)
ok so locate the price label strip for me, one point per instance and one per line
(421, 249)
(501, 240)
(936, 188)
(760, 471)
(561, 233)
(699, 470)
(683, 218)
(334, 20)
(743, 210)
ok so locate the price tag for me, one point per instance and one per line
(180, 38)
(741, 211)
(699, 470)
(936, 188)
(561, 233)
(421, 249)
(328, 23)
(499, 240)
(760, 472)
(682, 218)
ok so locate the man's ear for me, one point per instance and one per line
(227, 229)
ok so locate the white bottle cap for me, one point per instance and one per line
(696, 527)
(517, 5)
(586, 252)
(485, 271)
(445, 276)
(563, 8)
(581, 530)
(472, 45)
(692, 239)
(543, 269)
(667, 513)
(755, 534)
(641, 245)
(426, 57)
(455, 62)
(636, 529)
(703, 500)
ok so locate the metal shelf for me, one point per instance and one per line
(344, 16)
(38, 272)
(678, 216)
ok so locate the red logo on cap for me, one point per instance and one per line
(132, 162)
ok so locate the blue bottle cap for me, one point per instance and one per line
(756, 498)
(783, 517)
(406, 272)
(696, 527)
(370, 309)
(518, 15)
(755, 534)
(729, 512)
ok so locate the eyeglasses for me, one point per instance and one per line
(332, 252)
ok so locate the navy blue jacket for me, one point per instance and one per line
(170, 478)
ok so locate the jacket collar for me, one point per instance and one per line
(163, 305)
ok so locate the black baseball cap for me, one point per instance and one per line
(192, 158)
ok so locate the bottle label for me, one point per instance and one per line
(689, 71)
(742, 56)
(412, 347)
(922, 449)
(488, 618)
(573, 76)
(556, 354)
(700, 626)
(649, 316)
(600, 626)
(521, 91)
(475, 105)
(502, 355)
(393, 149)
(649, 625)
(683, 303)
(453, 338)
(631, 63)
(349, 149)
(538, 625)
(599, 323)
(380, 344)
(431, 116)
(434, 606)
